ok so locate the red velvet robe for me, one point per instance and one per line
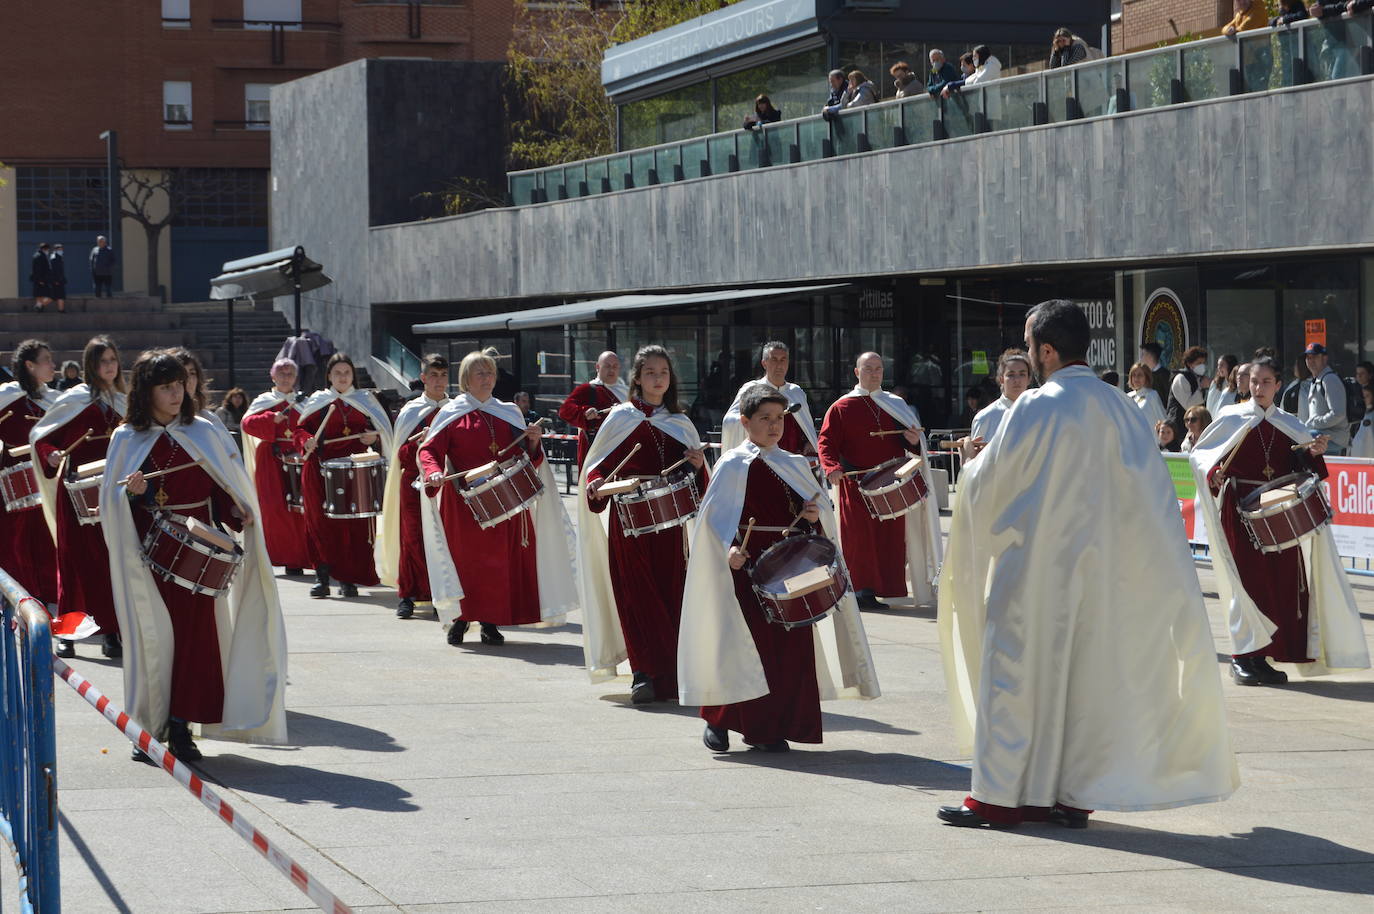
(197, 692)
(496, 566)
(26, 546)
(283, 529)
(792, 708)
(874, 550)
(344, 545)
(1275, 581)
(574, 412)
(412, 572)
(648, 572)
(83, 563)
(793, 438)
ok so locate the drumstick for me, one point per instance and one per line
(801, 512)
(1232, 456)
(744, 540)
(347, 437)
(156, 473)
(621, 466)
(75, 444)
(327, 413)
(6, 414)
(418, 435)
(895, 431)
(674, 466)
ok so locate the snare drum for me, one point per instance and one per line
(500, 490)
(200, 557)
(799, 580)
(888, 494)
(659, 503)
(1281, 514)
(85, 494)
(292, 467)
(19, 483)
(353, 486)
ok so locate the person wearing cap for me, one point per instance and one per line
(1326, 401)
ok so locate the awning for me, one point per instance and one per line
(267, 276)
(603, 309)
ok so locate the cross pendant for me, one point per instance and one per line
(494, 449)
(161, 496)
(1268, 472)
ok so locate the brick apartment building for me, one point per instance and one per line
(1145, 24)
(185, 83)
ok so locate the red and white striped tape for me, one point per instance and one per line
(188, 779)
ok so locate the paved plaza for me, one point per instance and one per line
(427, 778)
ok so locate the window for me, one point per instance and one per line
(60, 200)
(176, 14)
(260, 14)
(257, 106)
(222, 197)
(176, 105)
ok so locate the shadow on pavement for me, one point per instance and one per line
(1269, 854)
(540, 653)
(1348, 691)
(309, 730)
(98, 871)
(622, 699)
(890, 768)
(846, 722)
(301, 785)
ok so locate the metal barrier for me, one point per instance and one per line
(28, 781)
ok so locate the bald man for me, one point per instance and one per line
(886, 558)
(588, 403)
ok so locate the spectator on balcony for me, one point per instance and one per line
(1332, 58)
(1290, 11)
(838, 91)
(861, 90)
(904, 78)
(943, 72)
(1250, 14)
(986, 68)
(764, 113)
(1067, 49)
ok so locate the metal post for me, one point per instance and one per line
(296, 283)
(112, 208)
(230, 305)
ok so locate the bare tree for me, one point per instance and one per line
(160, 198)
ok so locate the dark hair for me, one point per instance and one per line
(27, 351)
(433, 361)
(1193, 353)
(1112, 378)
(339, 358)
(1153, 349)
(71, 363)
(1367, 366)
(755, 395)
(1062, 32)
(154, 367)
(981, 54)
(1008, 356)
(1062, 326)
(968, 59)
(1263, 351)
(188, 359)
(655, 352)
(1268, 362)
(90, 361)
(858, 76)
(767, 101)
(229, 395)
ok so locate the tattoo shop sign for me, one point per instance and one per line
(1101, 315)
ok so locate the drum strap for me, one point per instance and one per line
(191, 507)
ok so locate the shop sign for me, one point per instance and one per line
(876, 305)
(980, 361)
(1314, 332)
(1101, 315)
(1162, 321)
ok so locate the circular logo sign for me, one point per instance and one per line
(1163, 322)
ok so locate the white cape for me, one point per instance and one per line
(602, 640)
(262, 401)
(987, 420)
(252, 637)
(364, 401)
(386, 551)
(732, 430)
(1078, 656)
(718, 662)
(924, 545)
(552, 530)
(67, 407)
(1147, 401)
(1335, 635)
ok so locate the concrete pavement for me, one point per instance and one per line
(427, 778)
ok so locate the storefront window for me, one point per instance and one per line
(875, 58)
(1321, 302)
(672, 116)
(795, 85)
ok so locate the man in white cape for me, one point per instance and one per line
(799, 435)
(1077, 651)
(252, 636)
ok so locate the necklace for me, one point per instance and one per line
(1267, 445)
(792, 507)
(161, 497)
(494, 447)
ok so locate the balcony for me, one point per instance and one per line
(1309, 52)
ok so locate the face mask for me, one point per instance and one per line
(1200, 368)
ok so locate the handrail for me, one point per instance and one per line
(28, 781)
(1176, 74)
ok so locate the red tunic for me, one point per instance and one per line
(648, 572)
(574, 412)
(412, 572)
(792, 708)
(343, 545)
(83, 563)
(283, 529)
(1275, 581)
(26, 547)
(495, 566)
(874, 550)
(197, 692)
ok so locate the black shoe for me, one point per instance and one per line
(867, 600)
(66, 649)
(180, 742)
(491, 635)
(1242, 673)
(456, 632)
(319, 591)
(113, 647)
(1068, 818)
(779, 746)
(294, 572)
(717, 739)
(405, 609)
(348, 590)
(1266, 673)
(963, 817)
(642, 690)
(138, 755)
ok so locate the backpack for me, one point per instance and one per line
(1354, 398)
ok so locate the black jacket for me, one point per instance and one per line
(102, 261)
(41, 270)
(58, 265)
(947, 73)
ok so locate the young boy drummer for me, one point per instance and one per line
(752, 675)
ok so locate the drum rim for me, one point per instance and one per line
(160, 523)
(161, 520)
(90, 482)
(24, 504)
(187, 584)
(507, 515)
(1307, 486)
(489, 482)
(643, 494)
(834, 562)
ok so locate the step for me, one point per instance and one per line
(84, 305)
(133, 338)
(40, 324)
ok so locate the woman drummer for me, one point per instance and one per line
(645, 436)
(76, 431)
(26, 545)
(337, 422)
(195, 389)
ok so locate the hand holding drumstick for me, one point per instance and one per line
(739, 554)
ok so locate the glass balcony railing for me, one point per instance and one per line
(1315, 50)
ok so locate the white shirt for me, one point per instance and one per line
(1148, 400)
(989, 418)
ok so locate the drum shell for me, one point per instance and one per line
(19, 486)
(659, 504)
(1277, 528)
(293, 466)
(85, 497)
(791, 556)
(496, 499)
(174, 554)
(353, 489)
(887, 497)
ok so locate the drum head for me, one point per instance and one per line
(1278, 494)
(790, 557)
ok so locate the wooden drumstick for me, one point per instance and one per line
(348, 437)
(814, 498)
(1232, 456)
(319, 435)
(76, 444)
(6, 414)
(674, 466)
(744, 540)
(895, 431)
(418, 435)
(156, 473)
(621, 466)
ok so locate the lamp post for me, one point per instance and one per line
(112, 209)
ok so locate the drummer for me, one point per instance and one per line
(1013, 376)
(400, 549)
(517, 571)
(759, 678)
(337, 422)
(269, 428)
(1284, 606)
(75, 431)
(196, 384)
(632, 585)
(26, 544)
(882, 555)
(799, 429)
(183, 668)
(588, 404)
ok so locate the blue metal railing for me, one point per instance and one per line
(1314, 50)
(28, 781)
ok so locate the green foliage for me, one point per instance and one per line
(466, 195)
